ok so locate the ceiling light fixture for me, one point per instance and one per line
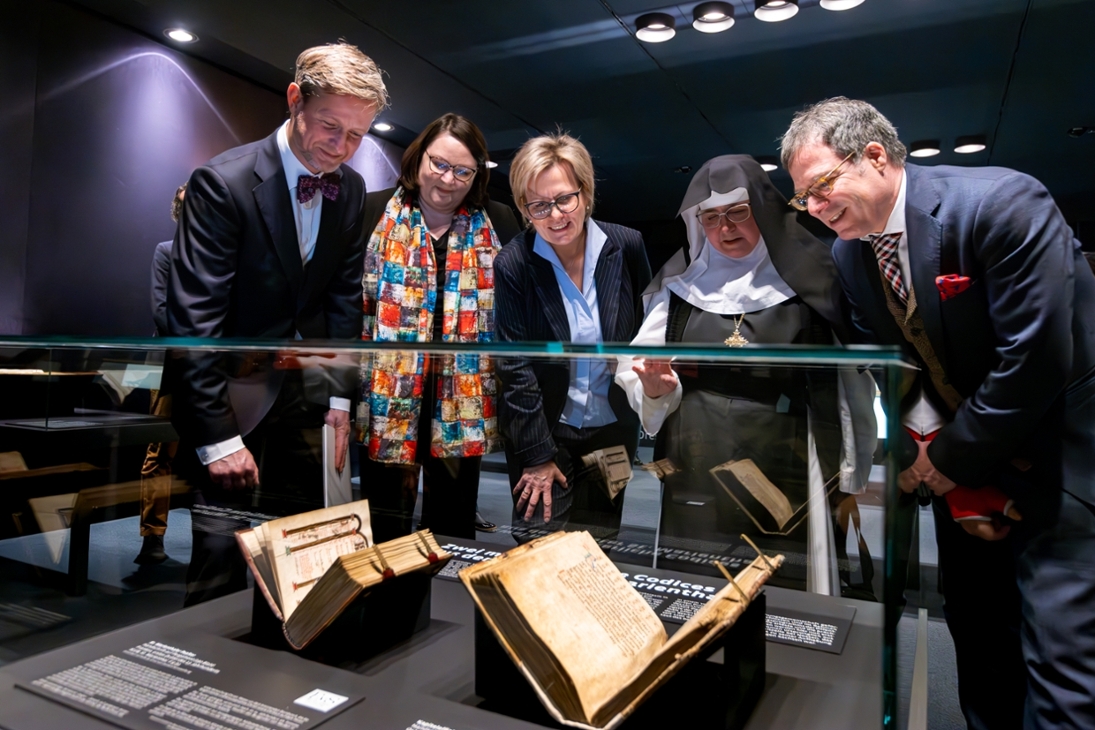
(840, 4)
(768, 163)
(773, 11)
(925, 148)
(181, 35)
(712, 17)
(383, 127)
(969, 144)
(655, 27)
(490, 164)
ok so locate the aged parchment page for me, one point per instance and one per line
(302, 547)
(597, 626)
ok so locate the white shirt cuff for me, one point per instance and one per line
(656, 410)
(340, 404)
(215, 452)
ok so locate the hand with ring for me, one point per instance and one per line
(534, 486)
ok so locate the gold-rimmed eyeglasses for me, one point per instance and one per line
(712, 219)
(819, 188)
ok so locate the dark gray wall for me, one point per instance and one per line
(106, 124)
(18, 39)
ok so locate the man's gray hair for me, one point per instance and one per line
(846, 126)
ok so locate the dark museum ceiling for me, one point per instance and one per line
(1021, 72)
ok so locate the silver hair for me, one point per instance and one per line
(846, 126)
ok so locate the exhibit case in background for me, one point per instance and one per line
(786, 449)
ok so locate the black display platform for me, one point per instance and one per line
(718, 694)
(377, 620)
(431, 676)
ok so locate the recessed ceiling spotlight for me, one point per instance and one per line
(768, 163)
(969, 144)
(840, 4)
(383, 127)
(1080, 131)
(773, 11)
(683, 169)
(712, 17)
(924, 148)
(181, 35)
(655, 27)
(490, 164)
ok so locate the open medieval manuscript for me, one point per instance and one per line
(584, 638)
(312, 565)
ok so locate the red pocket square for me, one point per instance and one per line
(951, 285)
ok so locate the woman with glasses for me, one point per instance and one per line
(751, 275)
(567, 278)
(429, 277)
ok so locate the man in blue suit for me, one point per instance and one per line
(974, 272)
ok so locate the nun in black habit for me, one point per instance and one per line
(751, 275)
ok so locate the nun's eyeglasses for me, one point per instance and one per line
(712, 219)
(820, 188)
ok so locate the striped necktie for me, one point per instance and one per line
(885, 250)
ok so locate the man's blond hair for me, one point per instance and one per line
(539, 154)
(341, 68)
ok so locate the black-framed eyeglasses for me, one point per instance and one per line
(460, 172)
(566, 203)
(819, 188)
(712, 219)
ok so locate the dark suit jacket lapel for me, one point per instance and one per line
(925, 241)
(272, 198)
(607, 278)
(547, 289)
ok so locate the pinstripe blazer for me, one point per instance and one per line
(529, 308)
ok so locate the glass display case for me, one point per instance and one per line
(782, 449)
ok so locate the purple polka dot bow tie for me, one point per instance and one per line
(309, 185)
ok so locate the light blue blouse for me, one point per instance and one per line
(590, 378)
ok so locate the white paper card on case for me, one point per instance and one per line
(320, 699)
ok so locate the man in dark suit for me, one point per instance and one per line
(269, 245)
(974, 272)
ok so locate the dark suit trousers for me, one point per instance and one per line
(287, 447)
(582, 505)
(1055, 560)
(450, 487)
(449, 491)
(982, 608)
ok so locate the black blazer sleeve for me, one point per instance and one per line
(503, 221)
(638, 267)
(521, 404)
(203, 264)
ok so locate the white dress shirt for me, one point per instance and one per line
(307, 217)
